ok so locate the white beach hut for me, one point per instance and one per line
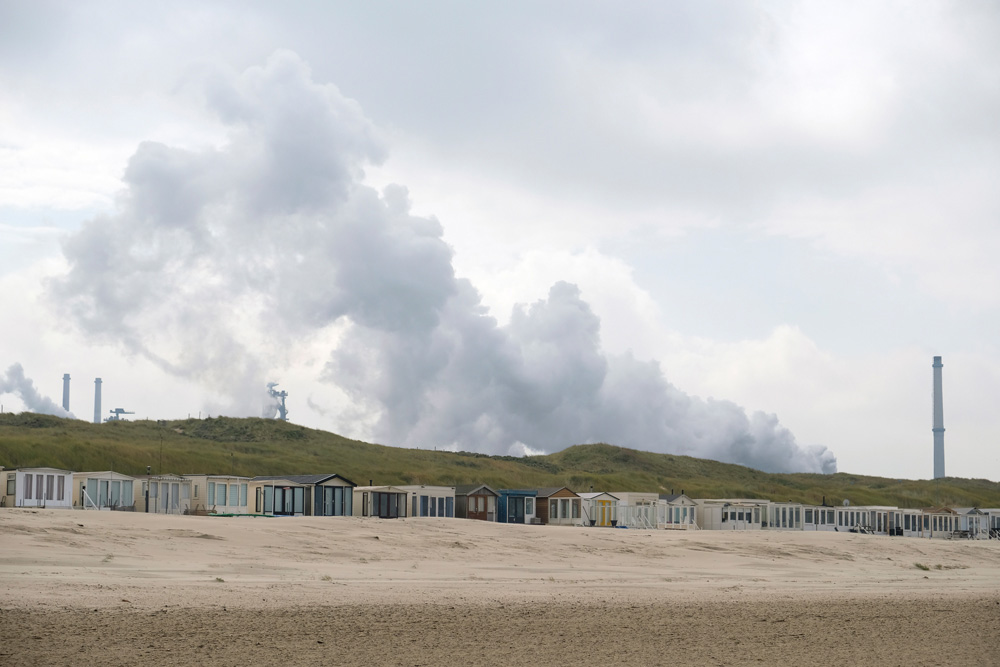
(103, 490)
(430, 501)
(37, 487)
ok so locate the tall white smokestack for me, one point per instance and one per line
(66, 392)
(938, 421)
(97, 400)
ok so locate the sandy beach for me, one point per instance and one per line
(117, 588)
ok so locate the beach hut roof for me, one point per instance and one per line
(302, 479)
(469, 489)
(551, 491)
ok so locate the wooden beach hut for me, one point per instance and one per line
(516, 505)
(476, 501)
(599, 509)
(558, 506)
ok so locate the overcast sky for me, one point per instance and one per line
(733, 230)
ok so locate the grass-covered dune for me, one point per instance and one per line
(270, 447)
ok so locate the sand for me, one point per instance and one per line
(117, 588)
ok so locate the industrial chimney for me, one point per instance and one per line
(938, 421)
(97, 400)
(66, 392)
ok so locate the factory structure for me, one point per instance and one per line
(938, 428)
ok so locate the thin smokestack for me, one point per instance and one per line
(97, 400)
(66, 392)
(938, 428)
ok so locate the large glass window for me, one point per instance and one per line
(441, 507)
(553, 509)
(220, 494)
(234, 494)
(211, 493)
(243, 495)
(449, 507)
(529, 505)
(423, 507)
(27, 485)
(11, 484)
(61, 488)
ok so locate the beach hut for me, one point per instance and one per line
(912, 522)
(326, 494)
(636, 509)
(599, 509)
(37, 487)
(558, 506)
(820, 518)
(973, 523)
(219, 494)
(783, 516)
(103, 490)
(476, 501)
(732, 513)
(384, 502)
(516, 506)
(676, 511)
(162, 494)
(993, 521)
(940, 522)
(436, 501)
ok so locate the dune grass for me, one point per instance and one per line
(270, 447)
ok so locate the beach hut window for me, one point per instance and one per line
(195, 490)
(153, 488)
(564, 508)
(576, 509)
(798, 516)
(553, 509)
(211, 492)
(449, 507)
(441, 507)
(529, 505)
(423, 507)
(220, 494)
(243, 495)
(809, 516)
(234, 494)
(11, 484)
(27, 485)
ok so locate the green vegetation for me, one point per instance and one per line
(270, 447)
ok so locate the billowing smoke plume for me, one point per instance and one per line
(215, 256)
(14, 382)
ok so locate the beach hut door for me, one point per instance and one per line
(515, 510)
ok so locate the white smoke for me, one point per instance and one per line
(217, 258)
(14, 382)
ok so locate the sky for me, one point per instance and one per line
(733, 230)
